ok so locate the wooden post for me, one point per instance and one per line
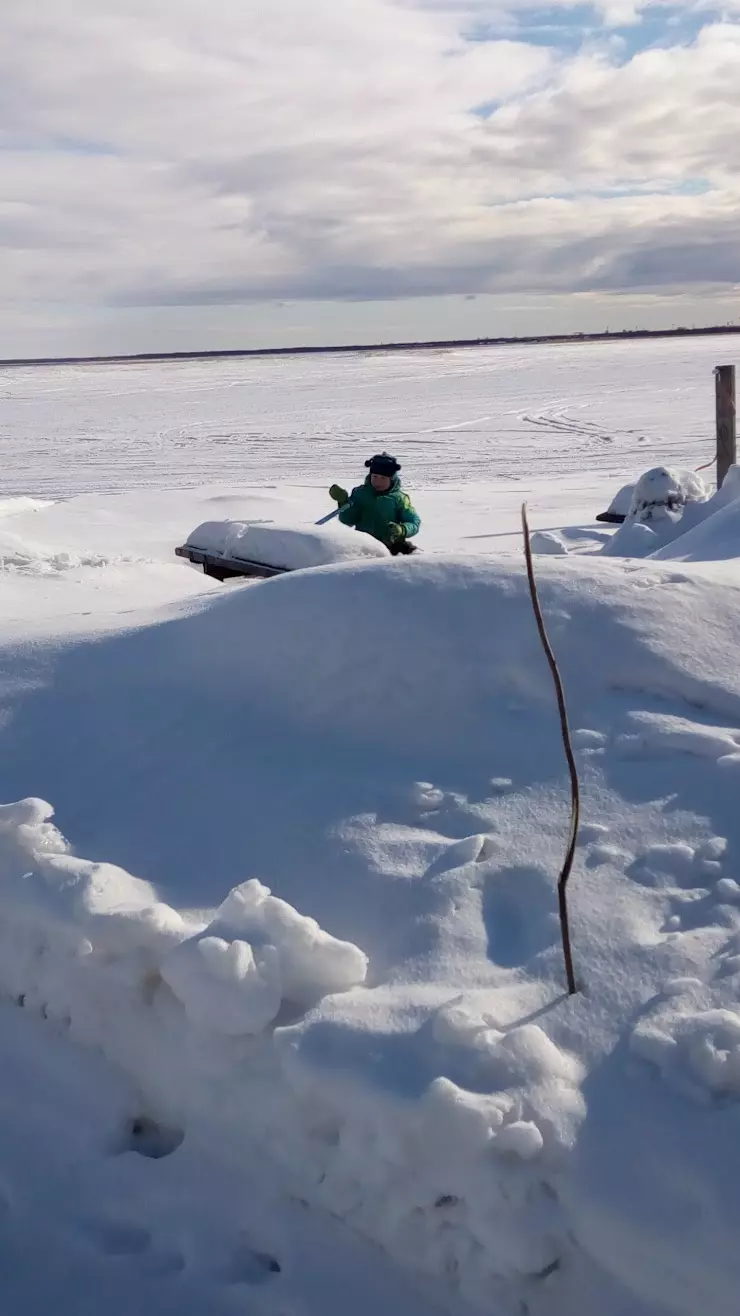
(724, 389)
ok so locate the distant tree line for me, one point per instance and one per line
(433, 344)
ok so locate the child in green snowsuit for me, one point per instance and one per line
(379, 507)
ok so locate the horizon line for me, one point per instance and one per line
(444, 344)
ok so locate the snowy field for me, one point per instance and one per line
(458, 417)
(294, 1037)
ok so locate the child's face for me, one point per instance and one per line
(380, 483)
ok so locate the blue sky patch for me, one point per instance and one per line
(568, 29)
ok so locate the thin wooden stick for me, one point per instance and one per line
(575, 793)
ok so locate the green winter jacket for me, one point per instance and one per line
(375, 513)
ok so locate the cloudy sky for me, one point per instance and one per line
(225, 173)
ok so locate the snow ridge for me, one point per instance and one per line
(458, 1184)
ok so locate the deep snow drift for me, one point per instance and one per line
(442, 1094)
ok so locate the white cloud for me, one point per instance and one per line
(190, 153)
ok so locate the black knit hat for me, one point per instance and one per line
(383, 464)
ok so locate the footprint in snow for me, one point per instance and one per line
(147, 1137)
(665, 866)
(695, 910)
(602, 855)
(249, 1265)
(116, 1238)
(520, 915)
(120, 1238)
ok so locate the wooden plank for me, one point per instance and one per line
(724, 388)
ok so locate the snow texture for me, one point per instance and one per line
(91, 947)
(322, 1044)
(419, 1050)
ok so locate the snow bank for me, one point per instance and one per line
(382, 747)
(714, 535)
(92, 947)
(328, 657)
(72, 917)
(284, 546)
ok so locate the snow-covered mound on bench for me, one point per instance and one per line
(671, 519)
(662, 500)
(284, 546)
(664, 492)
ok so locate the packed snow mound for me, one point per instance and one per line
(663, 492)
(661, 499)
(673, 520)
(697, 530)
(548, 544)
(70, 916)
(284, 546)
(711, 532)
(328, 652)
(87, 903)
(714, 539)
(378, 672)
(258, 953)
(456, 1182)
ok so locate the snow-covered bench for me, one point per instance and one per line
(241, 548)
